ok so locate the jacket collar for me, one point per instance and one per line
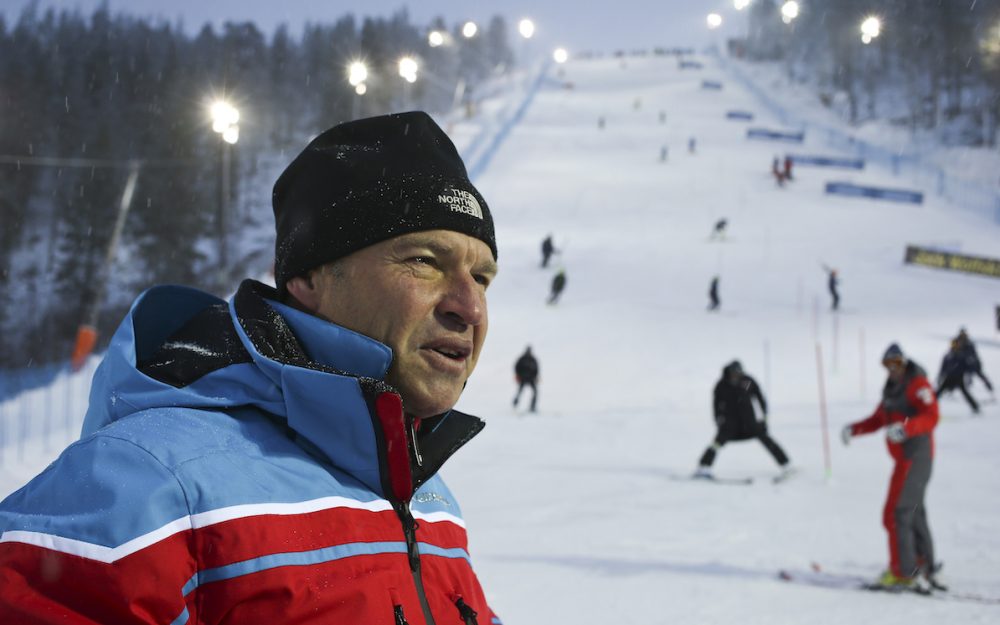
(334, 396)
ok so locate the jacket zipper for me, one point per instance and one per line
(413, 554)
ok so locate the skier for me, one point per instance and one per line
(952, 374)
(776, 171)
(548, 248)
(663, 154)
(692, 145)
(719, 230)
(831, 283)
(600, 123)
(736, 419)
(787, 173)
(663, 117)
(558, 284)
(526, 374)
(713, 294)
(973, 366)
(908, 412)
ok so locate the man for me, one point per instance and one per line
(908, 412)
(973, 366)
(558, 284)
(526, 374)
(736, 419)
(548, 248)
(274, 459)
(832, 283)
(713, 294)
(952, 375)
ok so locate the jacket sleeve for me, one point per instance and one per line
(718, 403)
(756, 392)
(872, 424)
(921, 397)
(94, 539)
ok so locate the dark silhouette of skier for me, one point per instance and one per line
(736, 420)
(719, 230)
(526, 374)
(788, 168)
(971, 363)
(558, 284)
(713, 294)
(951, 376)
(832, 282)
(777, 172)
(692, 145)
(548, 248)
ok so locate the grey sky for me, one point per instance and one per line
(577, 25)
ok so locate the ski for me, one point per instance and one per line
(740, 481)
(841, 581)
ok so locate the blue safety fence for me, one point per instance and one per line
(745, 116)
(975, 195)
(876, 193)
(13, 382)
(828, 161)
(712, 85)
(766, 134)
(490, 151)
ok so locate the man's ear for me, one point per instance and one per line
(304, 293)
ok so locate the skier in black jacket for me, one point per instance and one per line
(548, 248)
(526, 374)
(736, 419)
(973, 366)
(952, 374)
(558, 284)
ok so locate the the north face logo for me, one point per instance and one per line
(461, 201)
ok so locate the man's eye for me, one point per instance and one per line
(481, 279)
(423, 260)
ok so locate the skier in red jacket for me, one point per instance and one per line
(909, 413)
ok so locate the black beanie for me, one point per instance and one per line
(369, 180)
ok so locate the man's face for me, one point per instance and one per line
(424, 295)
(896, 368)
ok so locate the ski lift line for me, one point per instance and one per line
(57, 161)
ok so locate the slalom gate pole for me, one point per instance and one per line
(822, 412)
(836, 343)
(861, 352)
(767, 366)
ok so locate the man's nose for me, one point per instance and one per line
(464, 301)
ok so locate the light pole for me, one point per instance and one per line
(408, 72)
(225, 122)
(789, 11)
(525, 28)
(357, 74)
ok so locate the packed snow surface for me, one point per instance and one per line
(580, 513)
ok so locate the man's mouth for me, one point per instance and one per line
(451, 350)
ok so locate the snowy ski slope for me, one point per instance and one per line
(574, 514)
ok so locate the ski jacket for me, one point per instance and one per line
(242, 463)
(910, 401)
(953, 365)
(733, 407)
(526, 368)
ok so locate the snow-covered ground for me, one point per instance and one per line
(574, 513)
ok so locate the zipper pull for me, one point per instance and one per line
(466, 612)
(413, 440)
(399, 616)
(410, 533)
